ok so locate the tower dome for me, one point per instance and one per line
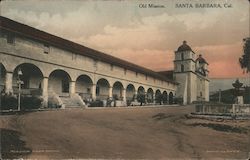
(200, 59)
(184, 47)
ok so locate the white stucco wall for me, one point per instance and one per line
(192, 85)
(29, 51)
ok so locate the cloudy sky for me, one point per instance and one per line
(145, 36)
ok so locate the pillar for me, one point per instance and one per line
(8, 82)
(153, 98)
(124, 96)
(136, 95)
(93, 92)
(110, 92)
(72, 86)
(45, 94)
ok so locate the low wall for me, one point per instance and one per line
(237, 109)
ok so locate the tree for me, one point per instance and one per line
(141, 98)
(245, 58)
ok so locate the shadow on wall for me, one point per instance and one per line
(12, 147)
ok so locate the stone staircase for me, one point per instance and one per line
(65, 100)
(72, 101)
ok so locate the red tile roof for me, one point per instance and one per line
(33, 33)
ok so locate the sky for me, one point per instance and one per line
(145, 36)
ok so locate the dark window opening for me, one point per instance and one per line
(10, 38)
(182, 68)
(182, 56)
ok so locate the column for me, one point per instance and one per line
(110, 92)
(124, 98)
(93, 92)
(72, 86)
(45, 94)
(136, 96)
(153, 98)
(8, 82)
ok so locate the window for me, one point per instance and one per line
(182, 56)
(146, 77)
(46, 48)
(111, 67)
(125, 71)
(182, 68)
(10, 38)
(136, 74)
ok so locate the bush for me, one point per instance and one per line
(178, 100)
(27, 102)
(30, 102)
(8, 102)
(158, 99)
(96, 103)
(141, 98)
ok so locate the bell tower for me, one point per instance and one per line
(184, 73)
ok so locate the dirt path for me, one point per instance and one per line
(139, 133)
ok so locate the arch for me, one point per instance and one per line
(141, 90)
(171, 98)
(141, 97)
(117, 90)
(165, 97)
(158, 96)
(130, 93)
(150, 95)
(31, 77)
(102, 89)
(2, 77)
(83, 86)
(59, 81)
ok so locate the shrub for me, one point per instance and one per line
(30, 102)
(8, 102)
(141, 98)
(27, 102)
(96, 103)
(178, 100)
(158, 98)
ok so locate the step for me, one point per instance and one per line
(68, 102)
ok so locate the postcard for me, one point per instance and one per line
(121, 79)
